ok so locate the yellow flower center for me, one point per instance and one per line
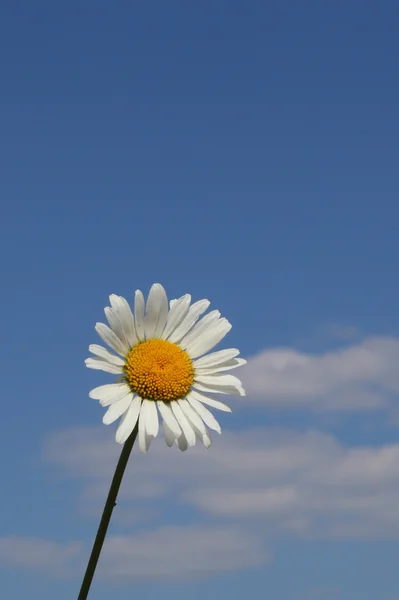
(159, 370)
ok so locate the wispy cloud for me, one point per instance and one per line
(363, 376)
(306, 483)
(321, 593)
(342, 333)
(57, 559)
(179, 552)
(182, 552)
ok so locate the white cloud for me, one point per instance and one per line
(252, 487)
(168, 553)
(182, 552)
(363, 376)
(279, 481)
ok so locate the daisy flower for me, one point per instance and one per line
(164, 368)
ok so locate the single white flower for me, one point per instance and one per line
(164, 365)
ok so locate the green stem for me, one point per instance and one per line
(107, 513)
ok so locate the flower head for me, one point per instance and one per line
(163, 366)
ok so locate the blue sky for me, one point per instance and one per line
(242, 152)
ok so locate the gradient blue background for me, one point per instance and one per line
(242, 151)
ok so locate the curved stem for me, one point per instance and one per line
(107, 513)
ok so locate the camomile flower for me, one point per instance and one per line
(164, 368)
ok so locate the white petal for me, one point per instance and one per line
(205, 414)
(219, 383)
(169, 418)
(115, 323)
(177, 313)
(156, 311)
(106, 355)
(139, 314)
(128, 421)
(121, 306)
(184, 424)
(226, 366)
(169, 435)
(216, 358)
(110, 393)
(192, 416)
(142, 431)
(209, 339)
(152, 423)
(100, 365)
(195, 311)
(203, 435)
(209, 401)
(182, 443)
(201, 327)
(173, 302)
(117, 409)
(207, 440)
(144, 438)
(213, 389)
(111, 339)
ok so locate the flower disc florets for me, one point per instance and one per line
(159, 370)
